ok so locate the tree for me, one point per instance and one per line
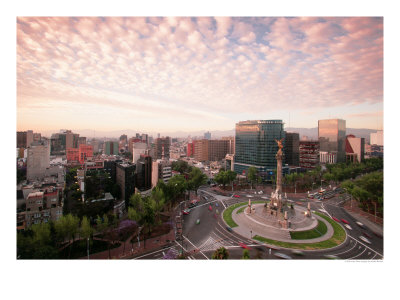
(246, 254)
(196, 179)
(177, 185)
(41, 233)
(159, 200)
(181, 166)
(222, 178)
(85, 230)
(220, 253)
(252, 175)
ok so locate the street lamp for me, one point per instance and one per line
(87, 248)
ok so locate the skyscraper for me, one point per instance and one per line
(38, 160)
(255, 144)
(111, 148)
(332, 140)
(292, 148)
(207, 135)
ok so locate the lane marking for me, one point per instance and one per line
(366, 246)
(152, 252)
(195, 247)
(347, 250)
(357, 255)
(354, 238)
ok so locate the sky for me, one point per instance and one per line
(197, 73)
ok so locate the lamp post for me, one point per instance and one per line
(87, 248)
(295, 187)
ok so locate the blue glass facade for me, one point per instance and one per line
(255, 145)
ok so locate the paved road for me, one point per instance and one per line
(201, 240)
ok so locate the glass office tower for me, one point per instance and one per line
(255, 145)
(332, 138)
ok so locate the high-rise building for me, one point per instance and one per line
(85, 153)
(376, 138)
(332, 140)
(72, 155)
(309, 154)
(255, 145)
(292, 148)
(231, 145)
(190, 149)
(138, 149)
(81, 140)
(161, 170)
(162, 147)
(131, 142)
(355, 148)
(143, 171)
(126, 179)
(63, 140)
(201, 148)
(38, 160)
(123, 137)
(29, 138)
(111, 148)
(21, 139)
(207, 135)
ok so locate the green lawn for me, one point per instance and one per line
(320, 230)
(228, 212)
(240, 210)
(338, 237)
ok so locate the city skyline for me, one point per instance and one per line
(197, 73)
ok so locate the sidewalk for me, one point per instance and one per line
(133, 250)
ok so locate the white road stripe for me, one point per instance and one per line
(194, 246)
(357, 254)
(347, 250)
(153, 252)
(366, 246)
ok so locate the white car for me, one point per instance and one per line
(364, 239)
(360, 224)
(281, 255)
(348, 226)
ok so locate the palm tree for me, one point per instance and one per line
(220, 253)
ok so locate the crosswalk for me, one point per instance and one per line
(211, 244)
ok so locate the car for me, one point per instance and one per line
(191, 205)
(210, 208)
(236, 196)
(229, 229)
(298, 252)
(197, 221)
(364, 239)
(348, 226)
(330, 256)
(360, 224)
(186, 211)
(244, 246)
(345, 221)
(281, 255)
(336, 219)
(216, 204)
(367, 235)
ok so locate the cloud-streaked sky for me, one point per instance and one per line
(160, 74)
